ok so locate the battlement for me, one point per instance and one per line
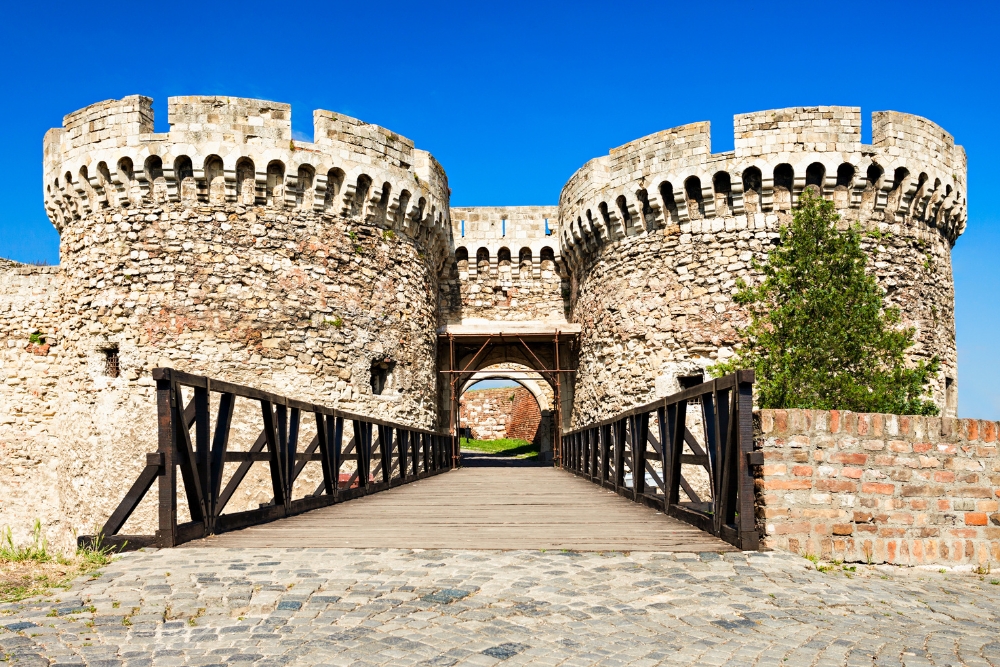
(515, 235)
(231, 150)
(912, 175)
(200, 119)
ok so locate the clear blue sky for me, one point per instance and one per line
(512, 98)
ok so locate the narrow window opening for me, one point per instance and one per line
(950, 393)
(548, 232)
(688, 381)
(382, 376)
(112, 365)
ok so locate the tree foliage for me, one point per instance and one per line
(820, 336)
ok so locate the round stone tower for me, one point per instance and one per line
(226, 248)
(657, 232)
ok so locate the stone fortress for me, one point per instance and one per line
(329, 270)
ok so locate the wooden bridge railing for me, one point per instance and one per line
(379, 455)
(641, 455)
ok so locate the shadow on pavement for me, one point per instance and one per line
(471, 459)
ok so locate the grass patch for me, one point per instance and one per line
(27, 570)
(518, 449)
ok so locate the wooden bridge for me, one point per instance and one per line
(625, 494)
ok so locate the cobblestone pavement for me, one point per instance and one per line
(400, 607)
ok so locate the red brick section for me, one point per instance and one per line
(879, 488)
(524, 416)
(501, 413)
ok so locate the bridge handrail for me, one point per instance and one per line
(405, 454)
(604, 451)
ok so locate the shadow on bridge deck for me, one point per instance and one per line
(483, 506)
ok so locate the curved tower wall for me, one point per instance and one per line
(224, 247)
(657, 232)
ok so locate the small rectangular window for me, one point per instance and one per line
(688, 381)
(112, 366)
(548, 232)
(463, 229)
(503, 227)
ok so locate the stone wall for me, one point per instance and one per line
(879, 488)
(31, 452)
(657, 233)
(299, 269)
(504, 266)
(506, 412)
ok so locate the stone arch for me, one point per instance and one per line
(722, 185)
(815, 175)
(187, 187)
(275, 188)
(845, 179)
(304, 191)
(753, 188)
(462, 259)
(524, 261)
(532, 385)
(404, 202)
(669, 203)
(361, 190)
(873, 180)
(784, 179)
(692, 192)
(215, 180)
(483, 261)
(533, 382)
(334, 184)
(895, 197)
(246, 181)
(504, 262)
(153, 171)
(622, 205)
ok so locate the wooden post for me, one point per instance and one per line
(747, 525)
(166, 535)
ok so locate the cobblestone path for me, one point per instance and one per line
(401, 607)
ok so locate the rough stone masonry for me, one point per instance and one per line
(323, 270)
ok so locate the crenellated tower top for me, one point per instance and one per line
(912, 175)
(234, 150)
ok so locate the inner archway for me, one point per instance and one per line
(531, 351)
(507, 403)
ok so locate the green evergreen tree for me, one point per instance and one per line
(820, 336)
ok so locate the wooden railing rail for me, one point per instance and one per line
(384, 455)
(640, 454)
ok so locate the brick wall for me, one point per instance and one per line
(509, 412)
(524, 416)
(879, 488)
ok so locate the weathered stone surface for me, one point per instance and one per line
(220, 248)
(874, 488)
(656, 234)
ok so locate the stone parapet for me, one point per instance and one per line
(913, 176)
(238, 150)
(879, 488)
(505, 265)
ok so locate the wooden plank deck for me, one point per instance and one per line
(482, 508)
